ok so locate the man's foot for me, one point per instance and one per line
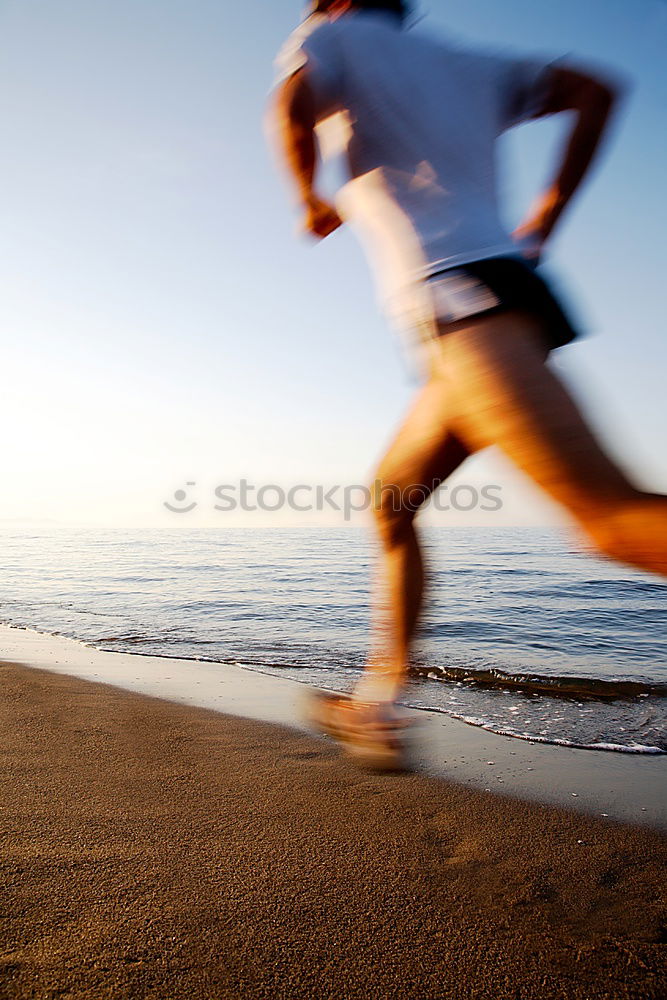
(373, 733)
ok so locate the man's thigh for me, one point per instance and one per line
(502, 393)
(424, 451)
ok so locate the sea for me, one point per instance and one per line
(522, 633)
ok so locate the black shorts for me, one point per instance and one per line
(496, 285)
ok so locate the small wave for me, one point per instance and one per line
(581, 688)
(621, 586)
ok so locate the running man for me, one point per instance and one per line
(421, 119)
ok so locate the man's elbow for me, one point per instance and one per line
(292, 100)
(585, 91)
(604, 94)
(278, 106)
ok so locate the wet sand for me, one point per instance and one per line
(158, 850)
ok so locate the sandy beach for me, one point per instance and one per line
(152, 849)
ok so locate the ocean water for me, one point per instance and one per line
(522, 634)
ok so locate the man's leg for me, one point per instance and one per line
(502, 393)
(423, 454)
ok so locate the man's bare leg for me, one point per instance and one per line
(502, 393)
(424, 453)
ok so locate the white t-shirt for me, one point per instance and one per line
(422, 119)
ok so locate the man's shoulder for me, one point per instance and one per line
(316, 30)
(316, 26)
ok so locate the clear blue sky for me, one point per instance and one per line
(161, 322)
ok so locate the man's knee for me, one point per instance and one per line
(395, 507)
(597, 504)
(612, 524)
(625, 531)
(602, 531)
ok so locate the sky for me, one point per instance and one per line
(163, 324)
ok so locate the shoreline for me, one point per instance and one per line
(624, 787)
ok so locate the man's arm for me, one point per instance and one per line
(294, 116)
(592, 101)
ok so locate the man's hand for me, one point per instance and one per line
(320, 218)
(591, 100)
(536, 229)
